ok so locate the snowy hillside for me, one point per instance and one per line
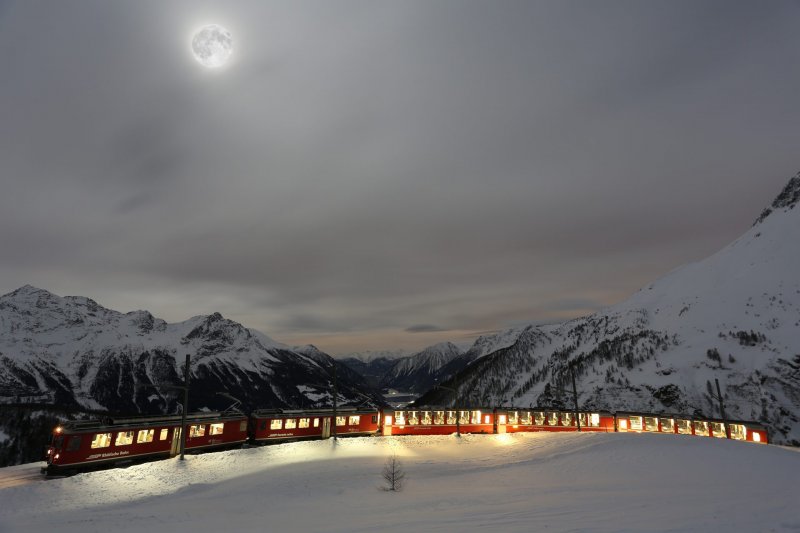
(734, 316)
(71, 351)
(520, 482)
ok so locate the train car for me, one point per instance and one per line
(269, 425)
(437, 421)
(86, 444)
(528, 420)
(682, 425)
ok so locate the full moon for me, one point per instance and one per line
(212, 45)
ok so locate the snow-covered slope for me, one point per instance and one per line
(734, 316)
(521, 482)
(72, 351)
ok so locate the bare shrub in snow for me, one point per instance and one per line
(393, 474)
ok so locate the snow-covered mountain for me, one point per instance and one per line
(734, 316)
(71, 351)
(418, 372)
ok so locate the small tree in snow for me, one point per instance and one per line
(393, 474)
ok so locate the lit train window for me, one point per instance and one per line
(525, 419)
(426, 418)
(538, 418)
(216, 429)
(74, 444)
(341, 420)
(650, 423)
(164, 433)
(476, 417)
(438, 418)
(413, 418)
(718, 430)
(684, 427)
(303, 422)
(354, 420)
(101, 440)
(738, 432)
(197, 430)
(513, 417)
(124, 438)
(552, 419)
(463, 417)
(584, 419)
(701, 428)
(276, 424)
(594, 420)
(316, 422)
(291, 423)
(567, 419)
(635, 423)
(668, 425)
(144, 435)
(400, 418)
(243, 425)
(451, 417)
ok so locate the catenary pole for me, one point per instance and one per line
(185, 406)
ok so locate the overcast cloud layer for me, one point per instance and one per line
(370, 174)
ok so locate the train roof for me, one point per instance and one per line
(314, 412)
(138, 421)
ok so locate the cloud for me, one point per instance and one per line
(424, 328)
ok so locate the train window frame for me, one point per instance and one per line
(718, 430)
(594, 420)
(513, 418)
(567, 419)
(684, 426)
(243, 426)
(303, 423)
(650, 424)
(426, 419)
(341, 421)
(451, 417)
(400, 418)
(354, 420)
(144, 436)
(667, 425)
(552, 418)
(124, 438)
(413, 418)
(276, 423)
(101, 440)
(635, 423)
(738, 431)
(216, 429)
(290, 423)
(475, 417)
(374, 419)
(74, 443)
(164, 434)
(463, 417)
(701, 428)
(539, 418)
(316, 422)
(197, 430)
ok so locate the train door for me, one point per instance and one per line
(501, 419)
(387, 425)
(326, 427)
(176, 441)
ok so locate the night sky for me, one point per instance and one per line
(381, 175)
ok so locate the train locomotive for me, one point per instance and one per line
(77, 446)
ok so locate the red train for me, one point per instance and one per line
(82, 445)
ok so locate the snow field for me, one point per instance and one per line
(522, 482)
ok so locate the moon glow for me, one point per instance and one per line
(212, 45)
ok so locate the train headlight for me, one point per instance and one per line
(59, 429)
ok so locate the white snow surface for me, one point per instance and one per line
(521, 482)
